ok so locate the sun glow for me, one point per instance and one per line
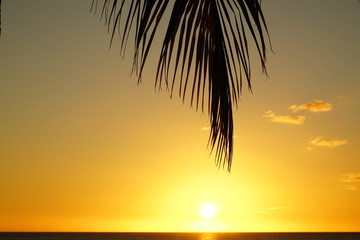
(208, 210)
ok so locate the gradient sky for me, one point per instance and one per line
(84, 148)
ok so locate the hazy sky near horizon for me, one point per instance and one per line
(84, 148)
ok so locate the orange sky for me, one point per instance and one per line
(83, 148)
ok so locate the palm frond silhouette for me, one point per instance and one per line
(0, 17)
(204, 52)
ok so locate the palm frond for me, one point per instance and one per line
(207, 39)
(0, 17)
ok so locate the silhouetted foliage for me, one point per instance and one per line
(0, 17)
(211, 44)
(207, 39)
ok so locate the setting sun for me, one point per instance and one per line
(208, 210)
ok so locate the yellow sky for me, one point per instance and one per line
(83, 148)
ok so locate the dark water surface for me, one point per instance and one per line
(179, 236)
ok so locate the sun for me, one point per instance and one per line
(208, 210)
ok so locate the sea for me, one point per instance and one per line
(177, 236)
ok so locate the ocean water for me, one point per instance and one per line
(179, 236)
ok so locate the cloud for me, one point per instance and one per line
(315, 106)
(318, 141)
(353, 187)
(296, 120)
(275, 208)
(351, 177)
(353, 180)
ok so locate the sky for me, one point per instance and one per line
(83, 147)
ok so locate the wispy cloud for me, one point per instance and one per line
(275, 208)
(315, 106)
(352, 187)
(319, 141)
(352, 180)
(351, 177)
(295, 120)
